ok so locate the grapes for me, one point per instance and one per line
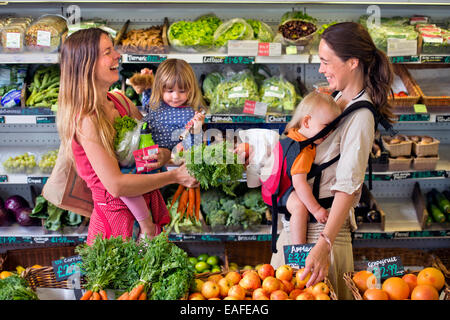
(24, 163)
(48, 161)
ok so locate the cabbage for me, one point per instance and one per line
(230, 94)
(262, 32)
(279, 95)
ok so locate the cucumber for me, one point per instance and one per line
(441, 201)
(437, 214)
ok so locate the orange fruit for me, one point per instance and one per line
(411, 280)
(5, 274)
(375, 294)
(431, 276)
(424, 292)
(360, 279)
(396, 288)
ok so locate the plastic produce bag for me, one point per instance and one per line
(296, 28)
(210, 84)
(234, 29)
(279, 95)
(128, 143)
(193, 36)
(261, 30)
(45, 34)
(231, 94)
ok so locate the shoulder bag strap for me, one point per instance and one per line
(120, 102)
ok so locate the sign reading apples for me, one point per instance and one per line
(295, 255)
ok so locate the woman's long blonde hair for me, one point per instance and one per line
(78, 97)
(310, 102)
(177, 72)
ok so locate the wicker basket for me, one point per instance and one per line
(45, 278)
(428, 149)
(425, 163)
(247, 253)
(413, 94)
(398, 164)
(32, 256)
(409, 257)
(429, 100)
(399, 149)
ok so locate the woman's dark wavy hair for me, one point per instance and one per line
(352, 40)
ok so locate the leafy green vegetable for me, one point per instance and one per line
(279, 95)
(261, 30)
(15, 287)
(297, 15)
(110, 263)
(197, 34)
(210, 84)
(231, 94)
(122, 125)
(165, 268)
(214, 165)
(234, 29)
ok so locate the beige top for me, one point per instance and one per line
(353, 139)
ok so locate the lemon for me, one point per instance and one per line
(212, 260)
(203, 257)
(20, 269)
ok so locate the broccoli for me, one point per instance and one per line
(227, 204)
(217, 218)
(210, 201)
(252, 218)
(236, 216)
(253, 200)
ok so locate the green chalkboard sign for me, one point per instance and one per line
(295, 255)
(66, 267)
(386, 268)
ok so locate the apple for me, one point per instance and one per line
(319, 288)
(230, 298)
(234, 277)
(215, 277)
(284, 272)
(287, 286)
(224, 285)
(258, 266)
(233, 266)
(271, 284)
(322, 296)
(210, 289)
(197, 285)
(260, 294)
(196, 296)
(279, 295)
(214, 299)
(237, 292)
(294, 293)
(250, 281)
(247, 267)
(265, 271)
(305, 296)
(301, 283)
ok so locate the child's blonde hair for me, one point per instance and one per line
(306, 107)
(176, 72)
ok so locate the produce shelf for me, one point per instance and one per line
(29, 57)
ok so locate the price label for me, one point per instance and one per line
(264, 49)
(13, 40)
(239, 60)
(255, 107)
(50, 119)
(420, 108)
(439, 118)
(43, 38)
(2, 119)
(386, 268)
(295, 255)
(291, 50)
(66, 267)
(3, 178)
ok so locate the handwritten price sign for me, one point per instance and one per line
(386, 268)
(66, 267)
(295, 255)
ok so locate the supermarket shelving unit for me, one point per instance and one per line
(34, 129)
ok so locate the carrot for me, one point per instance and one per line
(190, 209)
(136, 292)
(96, 296)
(197, 203)
(86, 295)
(177, 194)
(143, 296)
(183, 202)
(124, 296)
(103, 295)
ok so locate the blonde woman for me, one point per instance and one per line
(86, 113)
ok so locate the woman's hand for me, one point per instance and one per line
(161, 157)
(244, 152)
(317, 262)
(184, 178)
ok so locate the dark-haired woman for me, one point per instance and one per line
(357, 71)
